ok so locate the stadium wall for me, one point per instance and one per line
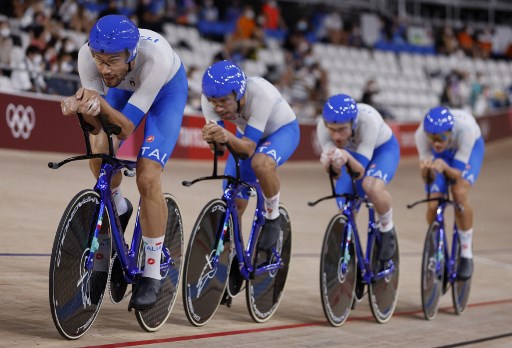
(34, 122)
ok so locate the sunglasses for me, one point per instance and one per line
(439, 137)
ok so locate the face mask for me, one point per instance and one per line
(249, 14)
(5, 32)
(66, 67)
(37, 59)
(70, 47)
(49, 55)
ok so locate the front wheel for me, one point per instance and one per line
(77, 289)
(383, 289)
(171, 261)
(337, 272)
(207, 263)
(460, 288)
(264, 292)
(432, 273)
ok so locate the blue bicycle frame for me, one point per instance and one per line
(233, 188)
(442, 245)
(352, 235)
(245, 256)
(110, 166)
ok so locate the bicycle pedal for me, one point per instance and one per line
(226, 299)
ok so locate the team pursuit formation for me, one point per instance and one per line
(129, 75)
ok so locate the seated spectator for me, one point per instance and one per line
(248, 36)
(209, 12)
(194, 76)
(484, 43)
(271, 15)
(6, 45)
(65, 78)
(466, 42)
(27, 73)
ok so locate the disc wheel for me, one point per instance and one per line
(207, 263)
(432, 273)
(337, 272)
(264, 291)
(153, 319)
(75, 290)
(460, 288)
(383, 290)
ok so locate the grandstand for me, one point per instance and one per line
(400, 44)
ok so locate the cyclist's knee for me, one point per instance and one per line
(460, 191)
(262, 164)
(373, 187)
(148, 182)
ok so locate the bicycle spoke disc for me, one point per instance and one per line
(432, 274)
(460, 288)
(76, 293)
(154, 318)
(204, 278)
(264, 292)
(337, 279)
(383, 291)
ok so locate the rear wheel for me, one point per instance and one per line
(207, 263)
(151, 320)
(337, 272)
(383, 290)
(460, 288)
(432, 273)
(264, 291)
(76, 291)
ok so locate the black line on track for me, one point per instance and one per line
(478, 340)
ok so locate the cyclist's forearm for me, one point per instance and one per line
(241, 145)
(452, 173)
(355, 166)
(115, 117)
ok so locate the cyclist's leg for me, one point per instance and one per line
(272, 152)
(117, 98)
(380, 172)
(437, 188)
(464, 217)
(163, 123)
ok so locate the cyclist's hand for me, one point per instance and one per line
(89, 102)
(339, 158)
(325, 158)
(425, 164)
(215, 133)
(69, 105)
(439, 165)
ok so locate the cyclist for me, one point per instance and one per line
(450, 145)
(355, 133)
(128, 73)
(267, 132)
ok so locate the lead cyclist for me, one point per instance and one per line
(128, 75)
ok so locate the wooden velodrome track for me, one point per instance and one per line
(33, 198)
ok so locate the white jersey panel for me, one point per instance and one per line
(155, 65)
(264, 109)
(370, 132)
(465, 133)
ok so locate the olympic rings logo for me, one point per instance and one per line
(21, 120)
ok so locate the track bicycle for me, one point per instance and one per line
(217, 262)
(439, 264)
(345, 269)
(89, 233)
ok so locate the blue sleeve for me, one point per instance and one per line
(133, 113)
(117, 98)
(361, 159)
(459, 165)
(252, 133)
